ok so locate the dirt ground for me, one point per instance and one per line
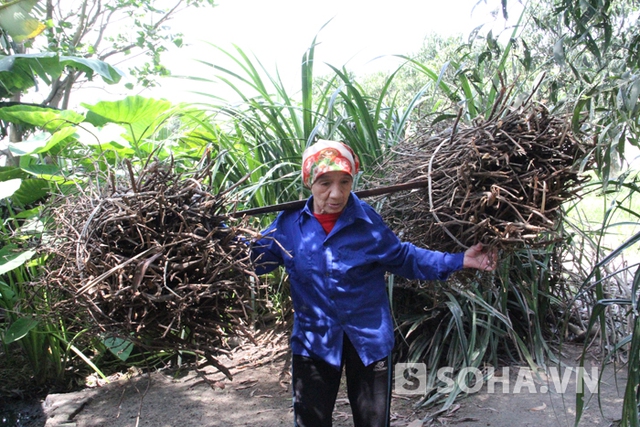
(259, 395)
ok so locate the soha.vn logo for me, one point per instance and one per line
(412, 379)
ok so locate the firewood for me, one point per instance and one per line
(500, 181)
(154, 259)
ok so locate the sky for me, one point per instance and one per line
(358, 34)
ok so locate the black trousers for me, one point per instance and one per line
(316, 384)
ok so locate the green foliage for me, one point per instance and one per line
(267, 131)
(460, 332)
(119, 347)
(18, 329)
(116, 30)
(583, 56)
(60, 155)
(519, 314)
(502, 317)
(26, 309)
(593, 71)
(62, 149)
(604, 231)
(18, 72)
(79, 38)
(17, 22)
(11, 258)
(578, 54)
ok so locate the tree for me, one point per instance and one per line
(20, 71)
(591, 52)
(80, 37)
(111, 30)
(105, 30)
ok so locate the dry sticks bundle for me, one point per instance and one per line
(155, 260)
(501, 182)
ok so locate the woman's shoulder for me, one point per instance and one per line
(367, 211)
(288, 216)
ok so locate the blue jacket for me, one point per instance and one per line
(338, 280)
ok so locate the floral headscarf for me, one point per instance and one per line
(327, 156)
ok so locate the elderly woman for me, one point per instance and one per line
(336, 250)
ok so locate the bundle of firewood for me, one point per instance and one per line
(501, 181)
(154, 259)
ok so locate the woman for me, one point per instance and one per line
(336, 251)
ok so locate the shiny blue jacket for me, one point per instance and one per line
(338, 280)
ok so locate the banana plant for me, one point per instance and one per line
(16, 20)
(65, 150)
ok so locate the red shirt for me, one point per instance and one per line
(327, 221)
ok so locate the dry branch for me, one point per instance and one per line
(154, 259)
(501, 181)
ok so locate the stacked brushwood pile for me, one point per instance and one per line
(154, 259)
(501, 181)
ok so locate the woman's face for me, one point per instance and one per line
(331, 192)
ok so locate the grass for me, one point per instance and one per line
(605, 227)
(611, 216)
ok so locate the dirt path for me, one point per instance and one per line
(259, 395)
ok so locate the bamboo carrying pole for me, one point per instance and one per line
(362, 193)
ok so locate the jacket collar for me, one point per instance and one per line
(351, 212)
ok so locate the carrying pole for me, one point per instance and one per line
(361, 194)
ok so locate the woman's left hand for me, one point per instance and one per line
(480, 258)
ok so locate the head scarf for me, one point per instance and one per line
(327, 156)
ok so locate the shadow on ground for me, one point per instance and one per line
(259, 395)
